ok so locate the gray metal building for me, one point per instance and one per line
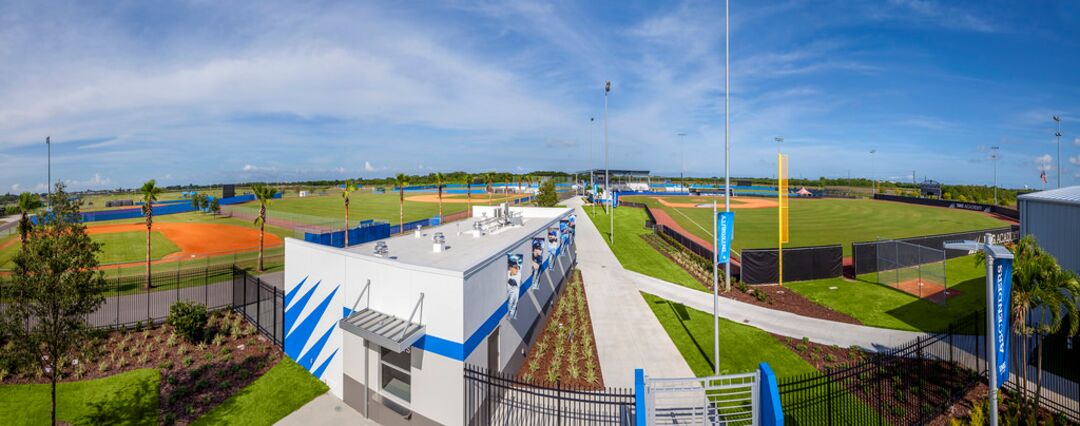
(1053, 217)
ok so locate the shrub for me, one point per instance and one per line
(171, 341)
(189, 319)
(209, 356)
(166, 365)
(218, 340)
(187, 361)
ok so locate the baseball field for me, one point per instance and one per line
(818, 221)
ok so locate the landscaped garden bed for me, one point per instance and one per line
(565, 352)
(769, 296)
(195, 374)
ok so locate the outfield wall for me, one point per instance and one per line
(985, 208)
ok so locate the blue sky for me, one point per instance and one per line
(201, 91)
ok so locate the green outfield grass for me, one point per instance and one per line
(129, 398)
(742, 347)
(633, 252)
(878, 305)
(829, 221)
(121, 247)
(363, 206)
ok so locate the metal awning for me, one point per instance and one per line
(383, 329)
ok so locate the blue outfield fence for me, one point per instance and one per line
(367, 231)
(160, 209)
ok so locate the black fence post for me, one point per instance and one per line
(829, 394)
(117, 298)
(206, 286)
(258, 304)
(920, 383)
(558, 398)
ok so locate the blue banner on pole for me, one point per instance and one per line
(725, 228)
(1001, 292)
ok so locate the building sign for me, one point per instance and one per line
(1001, 289)
(725, 229)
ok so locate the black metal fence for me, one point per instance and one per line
(685, 241)
(493, 398)
(261, 303)
(908, 385)
(128, 302)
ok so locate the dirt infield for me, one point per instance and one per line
(461, 199)
(736, 203)
(197, 238)
(926, 289)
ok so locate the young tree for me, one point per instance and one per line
(440, 182)
(264, 194)
(401, 180)
(350, 187)
(215, 207)
(547, 196)
(56, 285)
(150, 193)
(27, 203)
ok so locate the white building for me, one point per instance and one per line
(406, 313)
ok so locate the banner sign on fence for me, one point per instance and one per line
(725, 228)
(1002, 289)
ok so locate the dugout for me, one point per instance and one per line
(761, 266)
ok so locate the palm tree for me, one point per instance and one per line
(350, 186)
(1056, 296)
(149, 192)
(264, 194)
(401, 180)
(489, 184)
(27, 203)
(440, 181)
(468, 191)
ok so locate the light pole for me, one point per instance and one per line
(1057, 120)
(48, 186)
(682, 158)
(727, 198)
(592, 182)
(994, 157)
(607, 172)
(873, 174)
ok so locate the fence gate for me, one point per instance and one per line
(716, 400)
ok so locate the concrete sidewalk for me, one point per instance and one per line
(326, 409)
(775, 321)
(628, 335)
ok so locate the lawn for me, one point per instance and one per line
(124, 399)
(362, 206)
(633, 252)
(282, 390)
(830, 221)
(879, 305)
(742, 347)
(121, 247)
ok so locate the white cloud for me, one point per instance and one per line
(1044, 163)
(368, 167)
(253, 169)
(97, 181)
(1076, 141)
(1075, 160)
(17, 188)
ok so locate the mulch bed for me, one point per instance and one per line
(195, 377)
(775, 296)
(822, 356)
(568, 338)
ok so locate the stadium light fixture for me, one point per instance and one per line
(873, 173)
(607, 171)
(1057, 119)
(682, 158)
(994, 157)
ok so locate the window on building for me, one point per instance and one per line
(395, 373)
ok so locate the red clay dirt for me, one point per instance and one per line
(197, 238)
(930, 290)
(736, 203)
(665, 219)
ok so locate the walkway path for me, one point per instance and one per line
(325, 409)
(628, 335)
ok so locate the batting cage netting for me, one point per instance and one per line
(914, 269)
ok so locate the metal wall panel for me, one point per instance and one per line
(1056, 226)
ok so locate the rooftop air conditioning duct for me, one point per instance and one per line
(381, 249)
